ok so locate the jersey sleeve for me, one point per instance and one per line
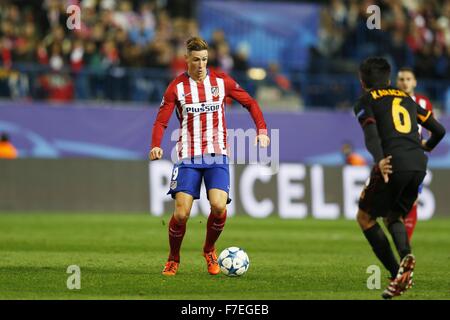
(422, 114)
(363, 112)
(235, 91)
(426, 119)
(164, 114)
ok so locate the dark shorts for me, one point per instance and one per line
(379, 199)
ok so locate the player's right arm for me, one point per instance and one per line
(366, 119)
(425, 119)
(162, 119)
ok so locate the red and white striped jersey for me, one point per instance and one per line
(200, 109)
(425, 103)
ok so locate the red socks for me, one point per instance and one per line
(410, 221)
(176, 234)
(213, 229)
(178, 229)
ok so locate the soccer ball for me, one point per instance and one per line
(233, 261)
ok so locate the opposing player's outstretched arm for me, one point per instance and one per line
(160, 125)
(426, 119)
(240, 95)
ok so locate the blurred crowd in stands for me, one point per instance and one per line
(414, 33)
(118, 39)
(89, 62)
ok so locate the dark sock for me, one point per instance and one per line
(176, 234)
(381, 247)
(400, 236)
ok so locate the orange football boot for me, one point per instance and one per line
(170, 269)
(211, 261)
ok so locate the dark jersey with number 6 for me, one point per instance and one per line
(396, 116)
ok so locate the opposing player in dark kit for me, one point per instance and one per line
(389, 118)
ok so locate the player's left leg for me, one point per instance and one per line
(216, 222)
(404, 278)
(408, 182)
(217, 182)
(396, 227)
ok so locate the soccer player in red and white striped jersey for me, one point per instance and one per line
(406, 81)
(198, 97)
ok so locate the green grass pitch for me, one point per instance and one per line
(121, 257)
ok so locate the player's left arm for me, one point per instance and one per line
(425, 119)
(235, 91)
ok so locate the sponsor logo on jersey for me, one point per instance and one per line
(202, 107)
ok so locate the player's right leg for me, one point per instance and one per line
(184, 188)
(177, 229)
(378, 241)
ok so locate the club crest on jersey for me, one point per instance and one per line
(173, 185)
(215, 91)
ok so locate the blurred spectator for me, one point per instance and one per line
(218, 37)
(224, 57)
(140, 34)
(277, 79)
(7, 149)
(56, 87)
(5, 53)
(351, 157)
(125, 18)
(77, 56)
(178, 64)
(240, 58)
(56, 60)
(400, 53)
